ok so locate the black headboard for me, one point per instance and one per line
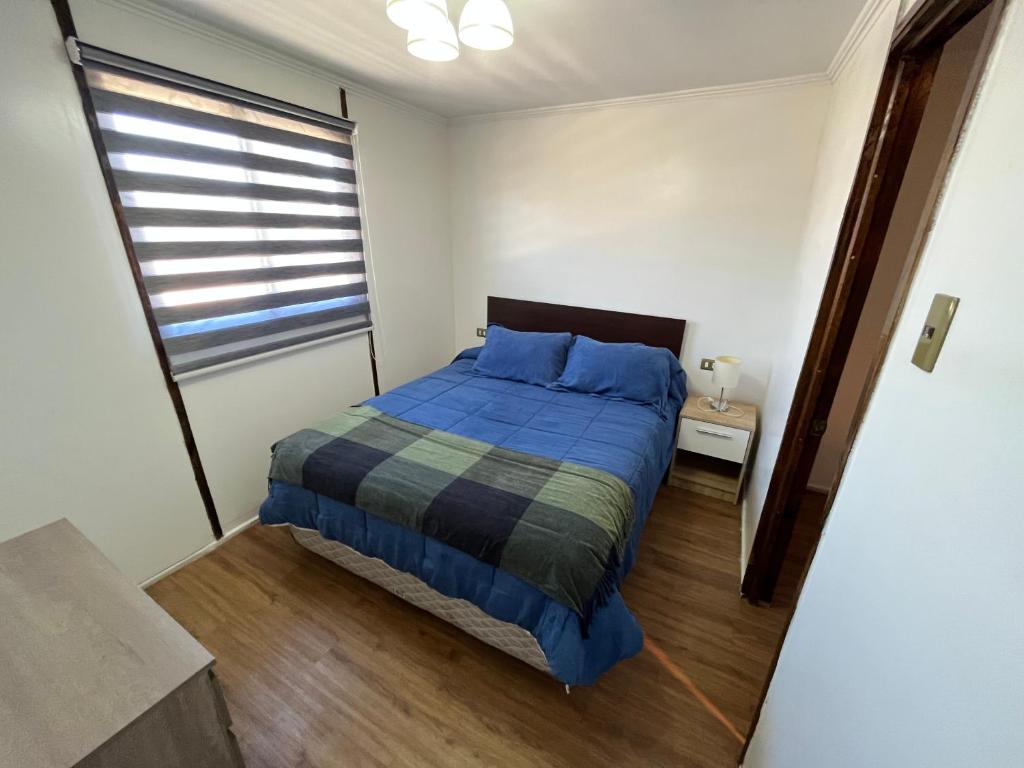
(600, 324)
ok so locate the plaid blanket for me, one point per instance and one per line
(558, 526)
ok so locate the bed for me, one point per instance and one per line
(615, 440)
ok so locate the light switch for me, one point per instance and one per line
(936, 326)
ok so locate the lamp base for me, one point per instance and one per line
(719, 405)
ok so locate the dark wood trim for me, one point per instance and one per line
(903, 93)
(917, 246)
(369, 334)
(929, 25)
(373, 363)
(67, 29)
(600, 324)
(344, 103)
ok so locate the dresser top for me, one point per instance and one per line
(692, 409)
(83, 651)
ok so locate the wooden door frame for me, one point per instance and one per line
(899, 106)
(66, 24)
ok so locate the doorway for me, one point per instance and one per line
(898, 257)
(929, 81)
(931, 76)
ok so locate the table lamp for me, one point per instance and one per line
(725, 375)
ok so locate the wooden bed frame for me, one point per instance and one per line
(600, 324)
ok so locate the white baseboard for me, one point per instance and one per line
(200, 553)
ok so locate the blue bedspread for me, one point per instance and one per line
(630, 441)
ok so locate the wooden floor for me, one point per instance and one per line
(321, 668)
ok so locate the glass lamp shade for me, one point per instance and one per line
(411, 13)
(486, 24)
(726, 373)
(433, 40)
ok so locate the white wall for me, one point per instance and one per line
(691, 207)
(237, 414)
(88, 429)
(688, 208)
(906, 645)
(849, 111)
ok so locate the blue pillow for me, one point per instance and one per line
(536, 358)
(632, 372)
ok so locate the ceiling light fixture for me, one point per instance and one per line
(410, 13)
(483, 24)
(486, 24)
(433, 39)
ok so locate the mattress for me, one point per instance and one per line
(630, 441)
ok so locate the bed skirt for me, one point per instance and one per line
(506, 637)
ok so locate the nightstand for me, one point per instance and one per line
(714, 450)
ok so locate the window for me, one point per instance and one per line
(243, 211)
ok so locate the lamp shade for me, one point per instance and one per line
(726, 373)
(411, 13)
(486, 24)
(433, 40)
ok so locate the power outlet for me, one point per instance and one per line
(707, 364)
(481, 332)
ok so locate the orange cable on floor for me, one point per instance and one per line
(698, 694)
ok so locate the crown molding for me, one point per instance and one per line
(866, 19)
(183, 23)
(736, 89)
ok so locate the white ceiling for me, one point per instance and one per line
(565, 52)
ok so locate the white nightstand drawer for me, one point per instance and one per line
(726, 443)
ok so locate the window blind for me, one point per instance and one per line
(243, 211)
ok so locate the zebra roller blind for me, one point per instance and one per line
(243, 211)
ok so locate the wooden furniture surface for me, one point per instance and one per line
(323, 669)
(92, 671)
(714, 449)
(600, 324)
(747, 422)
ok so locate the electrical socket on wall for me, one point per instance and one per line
(481, 332)
(707, 364)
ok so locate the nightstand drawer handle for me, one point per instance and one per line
(711, 432)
